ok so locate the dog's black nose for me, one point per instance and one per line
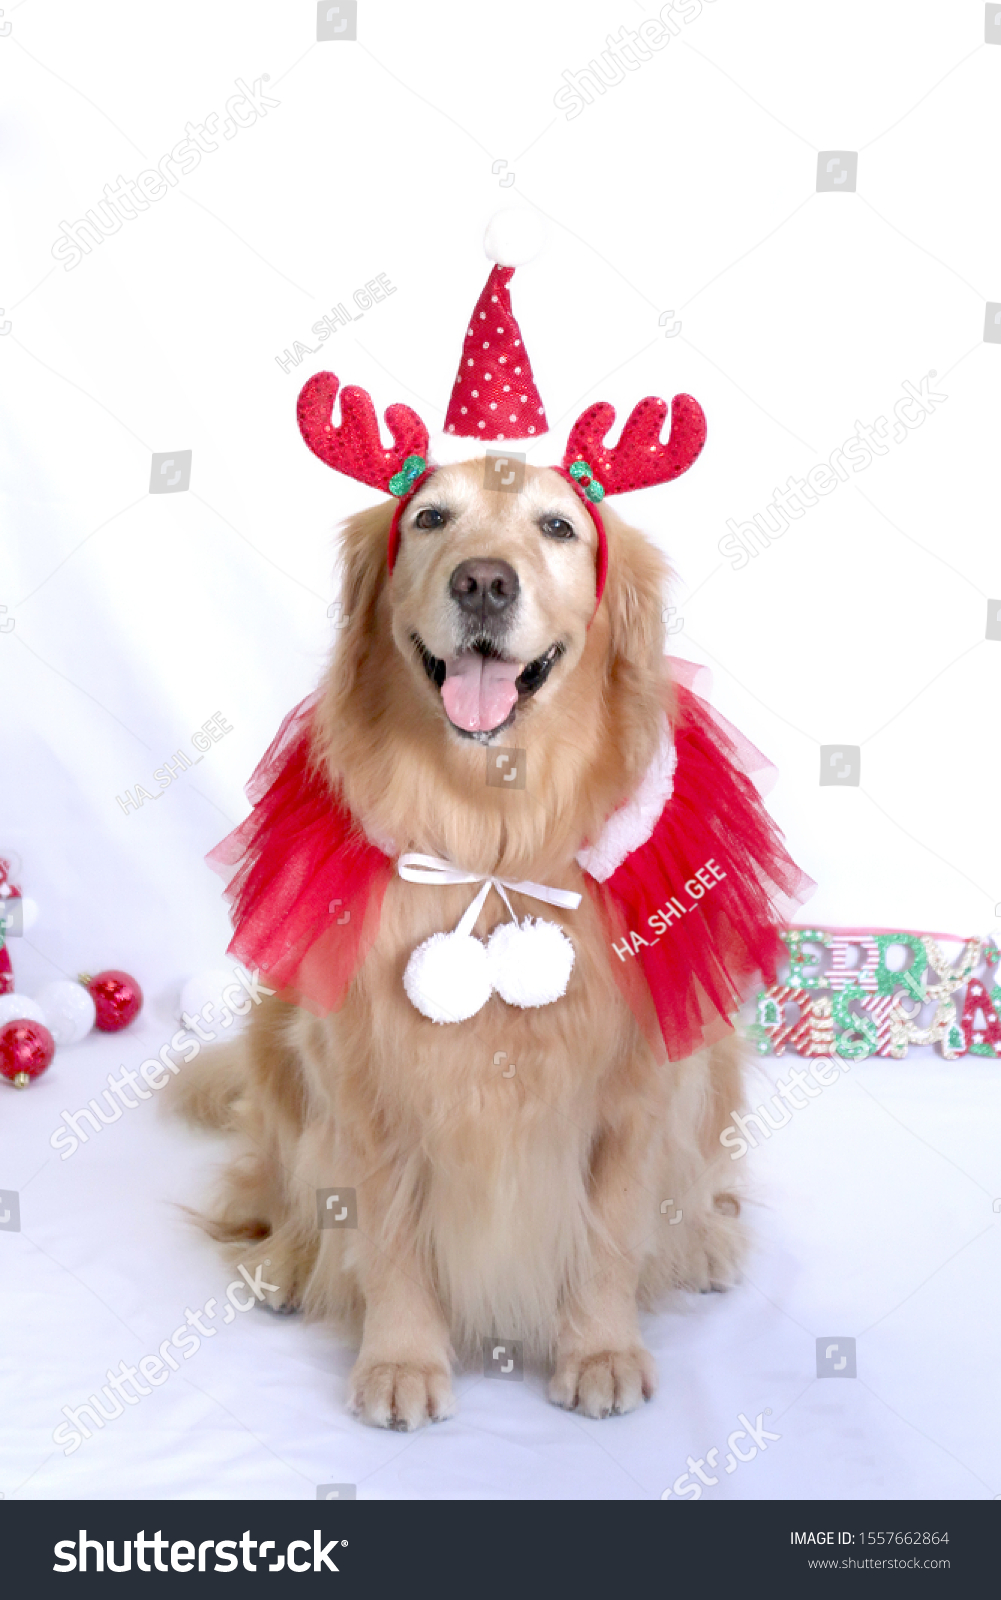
(484, 587)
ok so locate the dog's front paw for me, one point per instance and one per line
(401, 1394)
(604, 1381)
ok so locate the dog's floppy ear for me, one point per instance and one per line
(633, 602)
(364, 572)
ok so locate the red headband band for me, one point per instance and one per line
(593, 469)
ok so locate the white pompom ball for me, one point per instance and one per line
(205, 989)
(69, 1010)
(18, 1008)
(530, 964)
(514, 236)
(446, 977)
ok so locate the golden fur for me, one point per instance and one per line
(512, 1170)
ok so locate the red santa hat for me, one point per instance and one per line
(494, 395)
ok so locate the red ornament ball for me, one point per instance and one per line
(118, 999)
(26, 1049)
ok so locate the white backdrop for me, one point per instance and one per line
(688, 249)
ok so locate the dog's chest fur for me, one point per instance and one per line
(492, 1121)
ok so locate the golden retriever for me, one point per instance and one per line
(518, 1175)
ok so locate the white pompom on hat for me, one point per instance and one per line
(514, 236)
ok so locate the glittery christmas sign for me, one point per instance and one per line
(862, 994)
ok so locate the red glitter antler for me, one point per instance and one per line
(355, 447)
(639, 458)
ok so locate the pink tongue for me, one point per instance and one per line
(478, 690)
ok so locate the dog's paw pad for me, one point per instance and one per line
(400, 1395)
(605, 1382)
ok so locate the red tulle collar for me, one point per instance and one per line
(690, 877)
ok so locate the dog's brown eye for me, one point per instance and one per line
(557, 528)
(430, 517)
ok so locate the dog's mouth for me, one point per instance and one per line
(480, 687)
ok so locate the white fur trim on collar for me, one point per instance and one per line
(633, 823)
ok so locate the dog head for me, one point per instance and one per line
(488, 620)
(497, 590)
(492, 593)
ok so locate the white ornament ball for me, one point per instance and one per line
(446, 977)
(18, 1008)
(205, 989)
(514, 236)
(530, 964)
(69, 1010)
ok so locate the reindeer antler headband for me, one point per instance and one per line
(495, 399)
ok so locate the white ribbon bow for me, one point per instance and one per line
(451, 976)
(417, 868)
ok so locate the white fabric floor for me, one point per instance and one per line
(875, 1221)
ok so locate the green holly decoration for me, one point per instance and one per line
(402, 482)
(582, 474)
